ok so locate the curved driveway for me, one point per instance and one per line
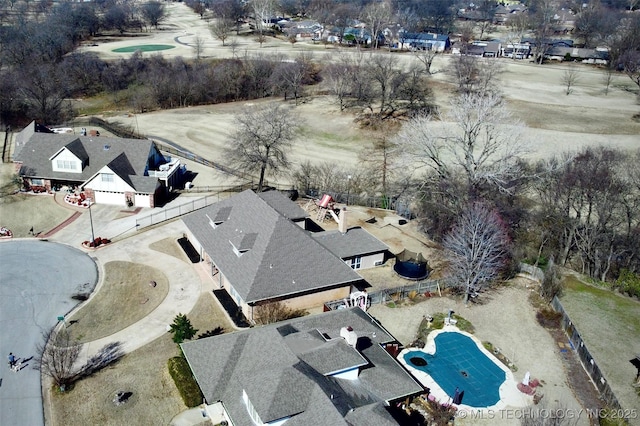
(37, 280)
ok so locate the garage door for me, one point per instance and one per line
(103, 197)
(143, 200)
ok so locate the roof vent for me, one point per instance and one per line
(349, 335)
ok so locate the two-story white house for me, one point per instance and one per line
(118, 171)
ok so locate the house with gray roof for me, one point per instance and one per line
(260, 253)
(105, 170)
(334, 368)
(425, 41)
(357, 247)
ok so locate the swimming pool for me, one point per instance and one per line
(458, 362)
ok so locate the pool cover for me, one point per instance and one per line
(459, 363)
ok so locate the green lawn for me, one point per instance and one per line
(609, 324)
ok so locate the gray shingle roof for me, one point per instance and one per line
(283, 259)
(126, 157)
(355, 242)
(266, 362)
(283, 205)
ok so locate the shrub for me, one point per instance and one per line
(275, 312)
(182, 329)
(628, 283)
(185, 382)
(548, 318)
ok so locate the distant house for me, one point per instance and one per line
(303, 29)
(591, 56)
(486, 49)
(361, 35)
(425, 41)
(106, 170)
(335, 368)
(260, 252)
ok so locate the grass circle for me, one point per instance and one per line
(143, 48)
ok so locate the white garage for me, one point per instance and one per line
(107, 197)
(143, 200)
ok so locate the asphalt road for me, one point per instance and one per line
(37, 280)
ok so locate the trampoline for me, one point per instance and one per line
(458, 364)
(410, 265)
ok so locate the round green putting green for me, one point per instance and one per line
(143, 48)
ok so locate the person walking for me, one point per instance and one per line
(12, 360)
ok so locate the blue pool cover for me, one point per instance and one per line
(459, 363)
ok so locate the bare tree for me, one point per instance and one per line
(426, 56)
(630, 61)
(154, 12)
(570, 77)
(263, 10)
(263, 139)
(478, 139)
(551, 285)
(379, 156)
(376, 15)
(476, 75)
(607, 79)
(57, 357)
(543, 12)
(221, 28)
(477, 249)
(487, 11)
(198, 46)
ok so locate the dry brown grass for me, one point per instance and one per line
(20, 212)
(155, 399)
(124, 298)
(143, 372)
(170, 246)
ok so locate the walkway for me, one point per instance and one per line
(185, 287)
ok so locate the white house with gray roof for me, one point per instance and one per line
(107, 170)
(260, 252)
(334, 368)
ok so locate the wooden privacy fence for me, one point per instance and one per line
(586, 359)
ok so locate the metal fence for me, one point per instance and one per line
(396, 294)
(208, 163)
(177, 211)
(587, 361)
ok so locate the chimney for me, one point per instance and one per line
(342, 224)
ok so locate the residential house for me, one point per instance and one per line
(425, 41)
(486, 49)
(260, 252)
(304, 30)
(335, 368)
(590, 56)
(105, 170)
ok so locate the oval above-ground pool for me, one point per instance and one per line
(458, 363)
(143, 48)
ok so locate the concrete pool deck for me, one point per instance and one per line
(510, 396)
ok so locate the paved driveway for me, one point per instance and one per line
(37, 280)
